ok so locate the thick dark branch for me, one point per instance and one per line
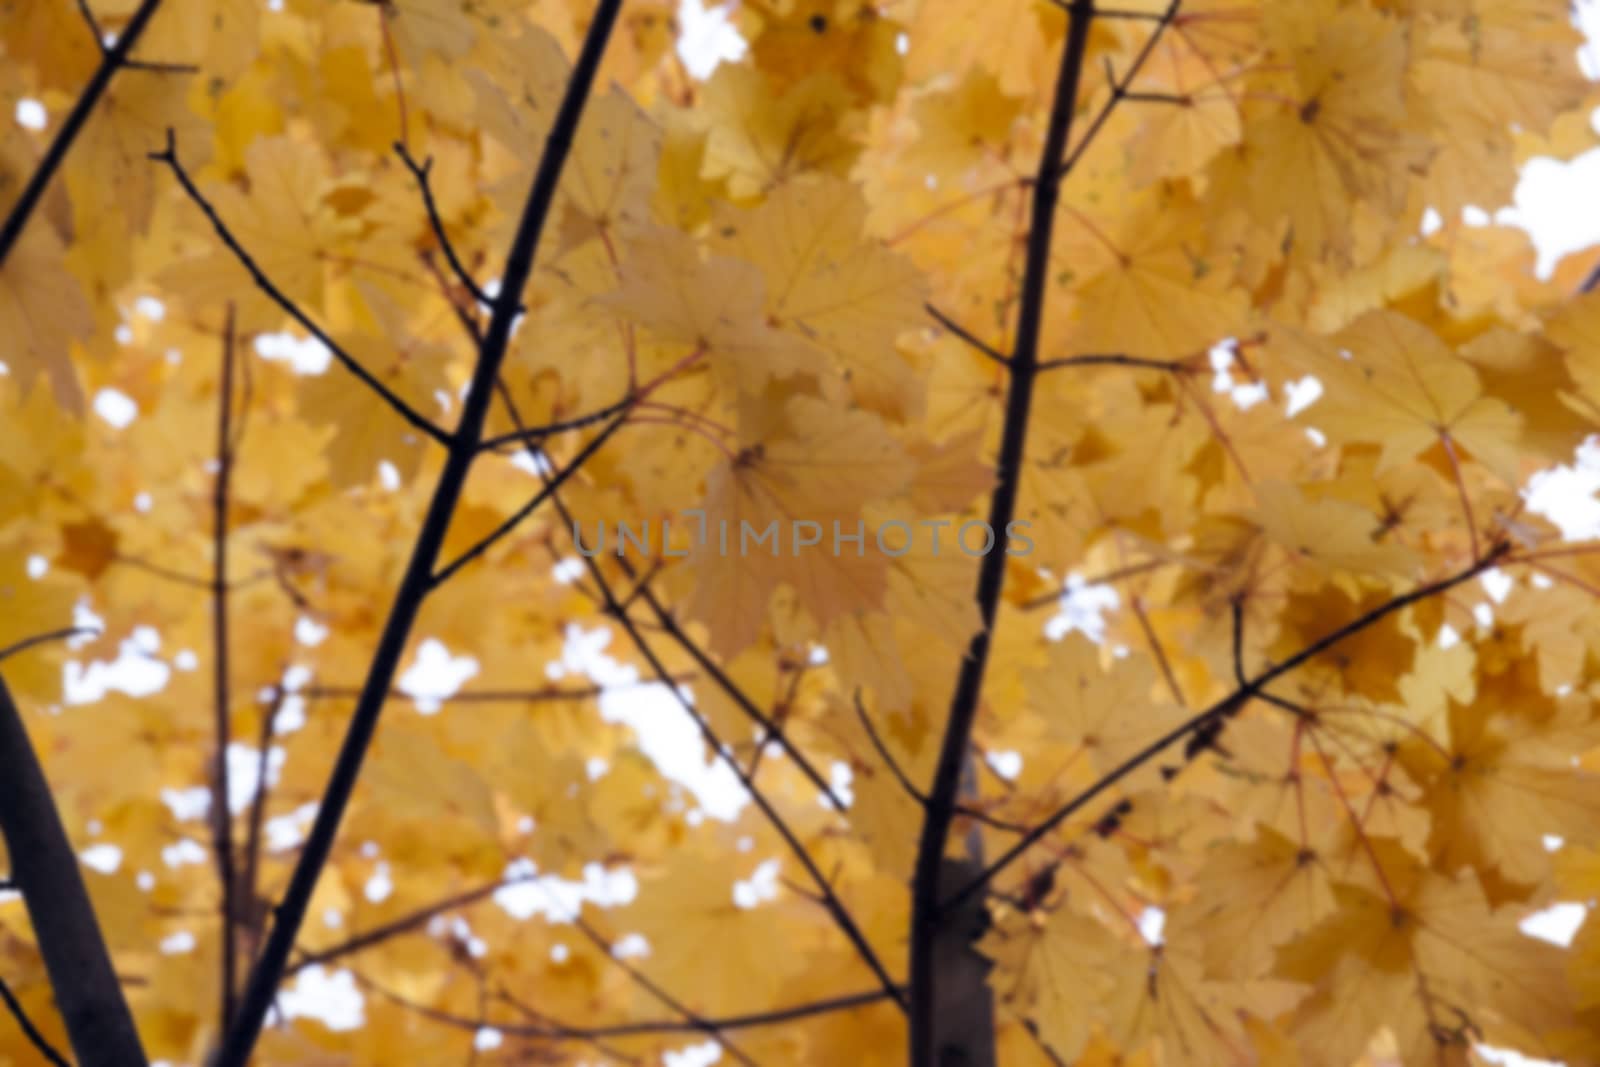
(169, 156)
(943, 794)
(111, 61)
(494, 536)
(46, 871)
(421, 172)
(534, 434)
(1226, 707)
(419, 574)
(30, 1031)
(221, 816)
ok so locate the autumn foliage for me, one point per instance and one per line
(1179, 292)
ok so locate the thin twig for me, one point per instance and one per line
(1225, 708)
(169, 156)
(539, 433)
(30, 1031)
(492, 538)
(968, 336)
(249, 878)
(422, 172)
(828, 899)
(886, 756)
(402, 924)
(669, 625)
(50, 635)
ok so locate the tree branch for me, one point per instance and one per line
(981, 346)
(490, 539)
(926, 926)
(1119, 90)
(221, 815)
(49, 635)
(828, 898)
(538, 433)
(110, 62)
(669, 625)
(421, 172)
(401, 925)
(46, 871)
(169, 156)
(1226, 707)
(30, 1031)
(418, 579)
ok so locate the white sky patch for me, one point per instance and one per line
(305, 355)
(244, 764)
(1566, 495)
(1555, 924)
(1006, 764)
(177, 944)
(435, 675)
(187, 804)
(31, 115)
(1083, 609)
(331, 999)
(380, 885)
(103, 857)
(762, 885)
(558, 899)
(184, 852)
(666, 734)
(700, 1055)
(134, 672)
(115, 407)
(706, 38)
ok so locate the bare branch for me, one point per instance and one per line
(421, 172)
(884, 754)
(1212, 717)
(968, 336)
(538, 433)
(222, 723)
(169, 156)
(494, 536)
(30, 1031)
(828, 899)
(50, 635)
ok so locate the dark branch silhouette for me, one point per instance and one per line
(169, 156)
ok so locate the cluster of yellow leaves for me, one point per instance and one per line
(747, 259)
